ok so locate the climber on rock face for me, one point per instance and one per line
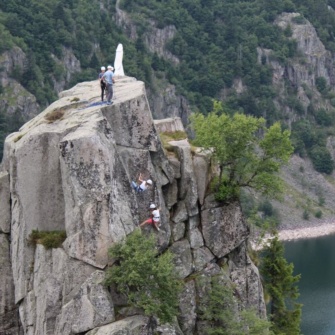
(154, 219)
(141, 185)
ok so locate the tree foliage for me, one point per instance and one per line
(281, 285)
(49, 239)
(248, 153)
(147, 279)
(322, 159)
(221, 315)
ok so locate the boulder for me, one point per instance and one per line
(180, 214)
(195, 238)
(182, 258)
(224, 228)
(202, 258)
(178, 231)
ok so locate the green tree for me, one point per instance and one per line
(147, 279)
(281, 285)
(323, 118)
(248, 153)
(321, 84)
(220, 313)
(322, 159)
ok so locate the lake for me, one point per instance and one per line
(314, 259)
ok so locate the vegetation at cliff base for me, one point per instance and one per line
(49, 239)
(221, 316)
(147, 279)
(248, 153)
(281, 285)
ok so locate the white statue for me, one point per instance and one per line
(118, 67)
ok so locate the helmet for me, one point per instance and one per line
(152, 206)
(103, 68)
(149, 181)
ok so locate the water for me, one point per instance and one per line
(314, 259)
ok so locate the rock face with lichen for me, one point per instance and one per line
(70, 169)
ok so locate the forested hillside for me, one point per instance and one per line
(47, 31)
(223, 50)
(216, 43)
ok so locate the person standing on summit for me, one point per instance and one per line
(102, 82)
(108, 78)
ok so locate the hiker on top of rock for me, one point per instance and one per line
(108, 78)
(102, 82)
(141, 185)
(154, 219)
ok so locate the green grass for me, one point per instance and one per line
(56, 114)
(167, 137)
(49, 239)
(18, 138)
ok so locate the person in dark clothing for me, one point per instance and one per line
(102, 82)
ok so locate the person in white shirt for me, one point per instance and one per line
(154, 219)
(141, 185)
(109, 80)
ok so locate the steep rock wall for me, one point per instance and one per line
(313, 61)
(74, 174)
(14, 95)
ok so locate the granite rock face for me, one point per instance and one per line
(70, 169)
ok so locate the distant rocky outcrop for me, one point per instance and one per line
(306, 188)
(318, 61)
(70, 169)
(313, 62)
(14, 96)
(17, 99)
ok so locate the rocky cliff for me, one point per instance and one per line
(70, 169)
(14, 97)
(306, 190)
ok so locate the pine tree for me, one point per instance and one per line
(219, 310)
(281, 285)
